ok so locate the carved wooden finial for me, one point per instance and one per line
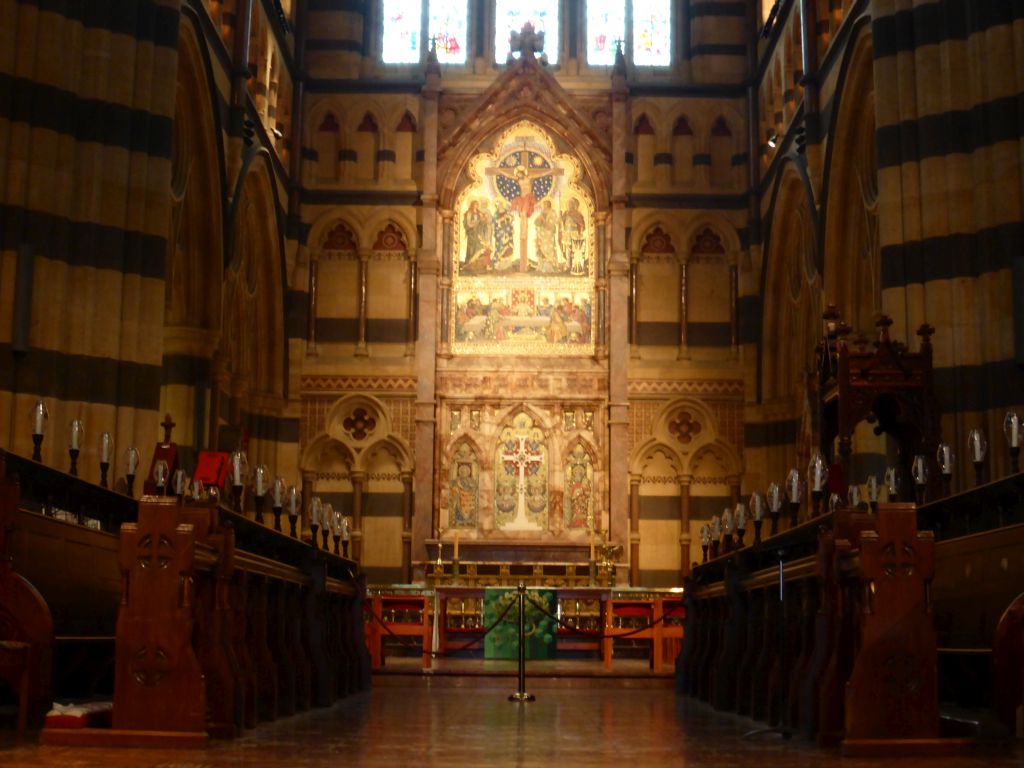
(168, 424)
(882, 324)
(925, 332)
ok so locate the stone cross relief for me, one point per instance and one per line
(521, 458)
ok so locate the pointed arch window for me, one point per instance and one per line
(409, 26)
(649, 24)
(511, 15)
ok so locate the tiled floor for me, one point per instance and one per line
(410, 721)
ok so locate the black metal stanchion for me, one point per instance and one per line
(521, 694)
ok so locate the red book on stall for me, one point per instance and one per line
(212, 467)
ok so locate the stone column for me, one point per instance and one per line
(426, 345)
(685, 482)
(410, 327)
(618, 314)
(407, 508)
(364, 260)
(684, 343)
(357, 479)
(308, 479)
(314, 273)
(634, 532)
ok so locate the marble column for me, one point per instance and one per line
(364, 261)
(357, 479)
(685, 482)
(634, 532)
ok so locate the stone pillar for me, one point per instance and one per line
(314, 273)
(364, 260)
(684, 344)
(308, 489)
(427, 342)
(407, 508)
(618, 314)
(685, 482)
(410, 327)
(357, 479)
(634, 532)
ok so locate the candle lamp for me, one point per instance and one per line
(76, 433)
(716, 535)
(277, 493)
(873, 490)
(315, 512)
(198, 490)
(892, 483)
(757, 510)
(727, 529)
(741, 522)
(131, 460)
(705, 541)
(326, 515)
(259, 484)
(239, 466)
(294, 498)
(944, 458)
(794, 490)
(336, 531)
(977, 447)
(853, 496)
(346, 534)
(919, 471)
(835, 502)
(39, 418)
(817, 481)
(178, 482)
(160, 476)
(1012, 430)
(774, 506)
(106, 451)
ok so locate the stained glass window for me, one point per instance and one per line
(403, 23)
(606, 23)
(448, 25)
(511, 15)
(652, 33)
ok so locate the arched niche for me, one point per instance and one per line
(852, 253)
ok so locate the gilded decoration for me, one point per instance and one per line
(464, 488)
(521, 485)
(523, 271)
(579, 490)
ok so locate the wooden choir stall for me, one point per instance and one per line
(854, 623)
(197, 619)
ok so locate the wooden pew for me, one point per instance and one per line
(814, 655)
(224, 623)
(59, 586)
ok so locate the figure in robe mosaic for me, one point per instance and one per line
(523, 256)
(579, 490)
(521, 482)
(464, 489)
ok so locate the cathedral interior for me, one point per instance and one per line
(506, 284)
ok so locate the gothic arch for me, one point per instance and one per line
(643, 452)
(325, 453)
(849, 222)
(197, 195)
(645, 227)
(525, 91)
(724, 453)
(323, 225)
(721, 226)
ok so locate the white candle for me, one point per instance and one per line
(293, 501)
(872, 484)
(741, 517)
(261, 472)
(976, 452)
(105, 443)
(277, 490)
(727, 521)
(236, 466)
(76, 434)
(133, 460)
(755, 503)
(39, 423)
(1014, 430)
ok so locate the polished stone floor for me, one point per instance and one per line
(412, 721)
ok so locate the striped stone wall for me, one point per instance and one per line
(86, 136)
